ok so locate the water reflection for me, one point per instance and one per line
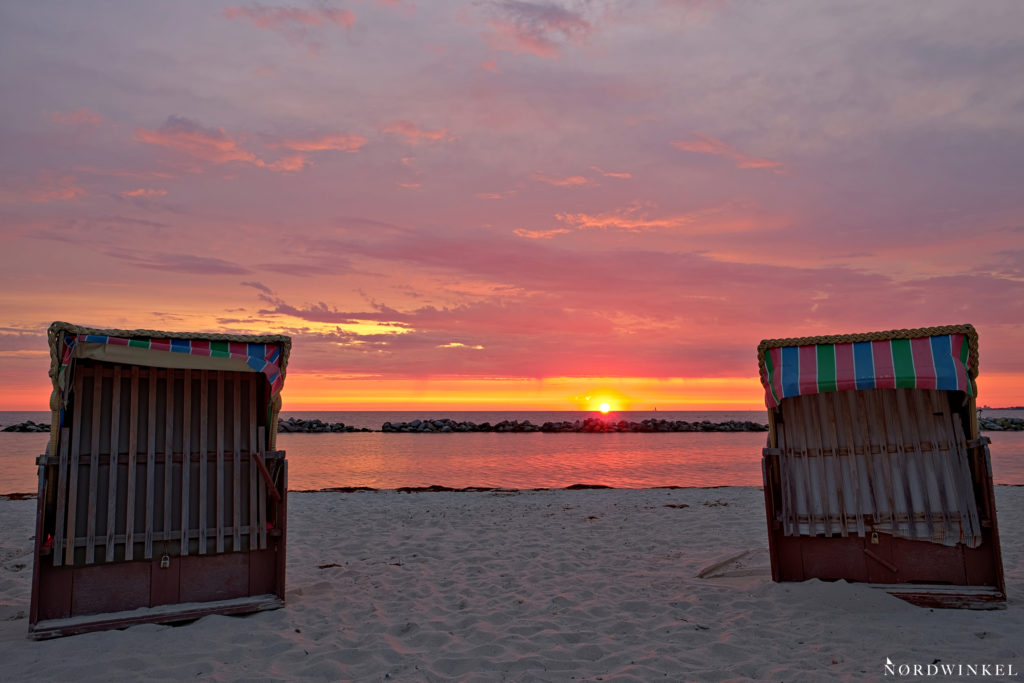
(510, 460)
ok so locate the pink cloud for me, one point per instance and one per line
(144, 192)
(568, 181)
(412, 134)
(341, 142)
(288, 20)
(123, 172)
(295, 162)
(179, 263)
(187, 136)
(83, 116)
(490, 65)
(538, 29)
(49, 188)
(611, 174)
(705, 144)
(212, 145)
(496, 195)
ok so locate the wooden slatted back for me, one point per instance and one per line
(156, 461)
(892, 458)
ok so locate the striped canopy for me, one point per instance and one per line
(265, 358)
(943, 358)
(256, 353)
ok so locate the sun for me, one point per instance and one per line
(604, 408)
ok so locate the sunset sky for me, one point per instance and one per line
(508, 204)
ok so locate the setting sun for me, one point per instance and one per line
(604, 407)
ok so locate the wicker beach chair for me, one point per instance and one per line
(161, 497)
(875, 471)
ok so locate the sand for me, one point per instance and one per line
(530, 586)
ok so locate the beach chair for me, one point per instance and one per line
(161, 497)
(875, 471)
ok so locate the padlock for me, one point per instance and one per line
(874, 538)
(165, 562)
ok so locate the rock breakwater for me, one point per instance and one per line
(315, 426)
(588, 425)
(27, 426)
(1001, 424)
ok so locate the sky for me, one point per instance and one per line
(513, 204)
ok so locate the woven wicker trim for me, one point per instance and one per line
(912, 333)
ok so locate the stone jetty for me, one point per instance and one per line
(1001, 424)
(27, 426)
(588, 425)
(315, 426)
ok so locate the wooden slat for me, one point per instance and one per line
(76, 435)
(94, 469)
(947, 458)
(812, 431)
(159, 536)
(897, 461)
(830, 446)
(62, 497)
(788, 481)
(115, 448)
(795, 429)
(236, 464)
(150, 464)
(204, 442)
(920, 407)
(133, 456)
(253, 532)
(875, 419)
(919, 505)
(965, 480)
(860, 457)
(262, 503)
(220, 461)
(186, 457)
(168, 449)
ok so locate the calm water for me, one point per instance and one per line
(508, 460)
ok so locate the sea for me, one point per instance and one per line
(508, 460)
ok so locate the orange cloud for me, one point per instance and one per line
(412, 134)
(80, 117)
(341, 142)
(569, 181)
(705, 144)
(632, 219)
(144, 192)
(540, 234)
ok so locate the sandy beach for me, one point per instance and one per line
(655, 584)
